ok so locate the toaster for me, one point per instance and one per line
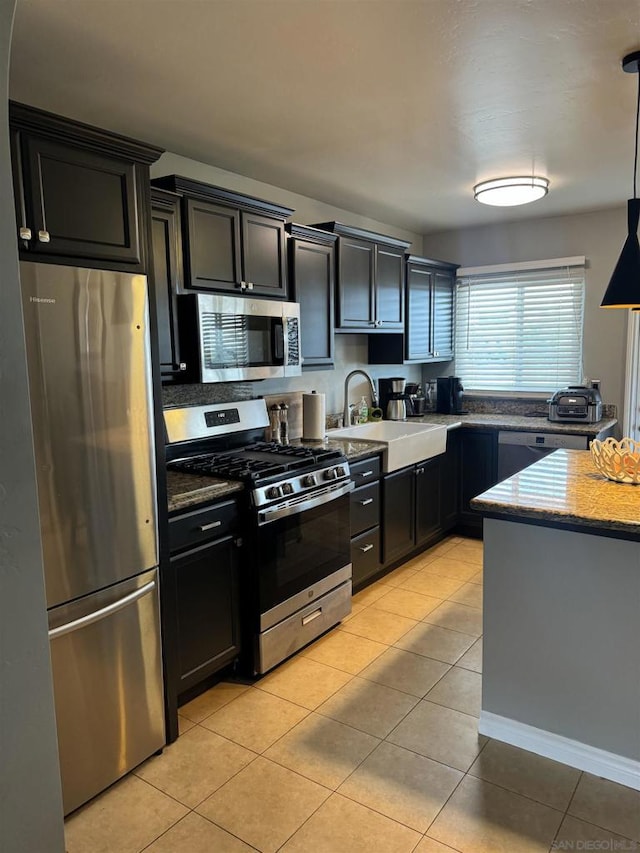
(576, 404)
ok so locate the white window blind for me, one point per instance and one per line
(520, 330)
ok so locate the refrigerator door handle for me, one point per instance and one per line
(97, 615)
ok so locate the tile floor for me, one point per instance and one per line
(365, 742)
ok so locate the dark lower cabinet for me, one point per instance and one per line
(80, 192)
(365, 556)
(207, 610)
(450, 482)
(398, 514)
(428, 480)
(478, 471)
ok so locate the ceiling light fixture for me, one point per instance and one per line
(508, 192)
(623, 290)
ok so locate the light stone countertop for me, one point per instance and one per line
(565, 488)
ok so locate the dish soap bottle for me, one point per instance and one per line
(363, 411)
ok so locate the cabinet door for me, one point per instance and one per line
(355, 284)
(365, 556)
(80, 204)
(418, 337)
(389, 288)
(207, 608)
(167, 265)
(212, 246)
(398, 514)
(443, 285)
(450, 482)
(478, 471)
(263, 252)
(312, 267)
(428, 501)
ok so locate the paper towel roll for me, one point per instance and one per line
(313, 417)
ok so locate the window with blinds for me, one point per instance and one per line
(520, 329)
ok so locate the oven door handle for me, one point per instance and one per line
(266, 516)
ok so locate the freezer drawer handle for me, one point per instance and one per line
(97, 615)
(311, 616)
(210, 526)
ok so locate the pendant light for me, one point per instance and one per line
(624, 287)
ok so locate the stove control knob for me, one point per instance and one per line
(340, 472)
(331, 474)
(274, 492)
(287, 489)
(309, 480)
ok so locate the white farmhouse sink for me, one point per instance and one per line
(406, 443)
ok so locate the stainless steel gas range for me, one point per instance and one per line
(296, 567)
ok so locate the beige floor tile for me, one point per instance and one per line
(355, 608)
(303, 681)
(369, 594)
(127, 817)
(195, 834)
(397, 576)
(435, 642)
(457, 617)
(477, 578)
(577, 834)
(440, 733)
(427, 583)
(608, 805)
(440, 549)
(528, 774)
(184, 724)
(369, 707)
(430, 845)
(344, 651)
(194, 766)
(264, 804)
(482, 818)
(322, 750)
(411, 673)
(459, 689)
(205, 704)
(379, 625)
(468, 552)
(342, 826)
(469, 594)
(256, 719)
(473, 658)
(404, 602)
(402, 785)
(447, 567)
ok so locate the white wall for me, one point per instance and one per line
(598, 235)
(351, 350)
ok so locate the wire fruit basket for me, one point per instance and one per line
(617, 460)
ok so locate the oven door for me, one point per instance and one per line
(300, 548)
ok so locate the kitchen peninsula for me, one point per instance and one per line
(561, 671)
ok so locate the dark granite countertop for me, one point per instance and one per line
(519, 423)
(351, 448)
(565, 488)
(186, 490)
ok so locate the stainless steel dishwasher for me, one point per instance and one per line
(517, 450)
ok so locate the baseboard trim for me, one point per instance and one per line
(617, 768)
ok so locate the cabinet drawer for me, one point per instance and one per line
(191, 528)
(365, 470)
(365, 555)
(365, 508)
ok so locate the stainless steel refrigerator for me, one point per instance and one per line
(87, 335)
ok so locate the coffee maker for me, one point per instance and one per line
(393, 398)
(449, 396)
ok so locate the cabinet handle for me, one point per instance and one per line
(366, 502)
(366, 474)
(25, 233)
(311, 616)
(249, 285)
(241, 285)
(419, 471)
(365, 548)
(177, 368)
(44, 237)
(210, 526)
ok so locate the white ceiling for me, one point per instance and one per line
(390, 108)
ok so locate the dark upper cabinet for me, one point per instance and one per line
(478, 472)
(428, 328)
(232, 242)
(81, 193)
(370, 279)
(312, 278)
(166, 242)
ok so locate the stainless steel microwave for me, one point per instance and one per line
(233, 338)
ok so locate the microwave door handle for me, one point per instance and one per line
(277, 341)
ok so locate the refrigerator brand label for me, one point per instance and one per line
(42, 299)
